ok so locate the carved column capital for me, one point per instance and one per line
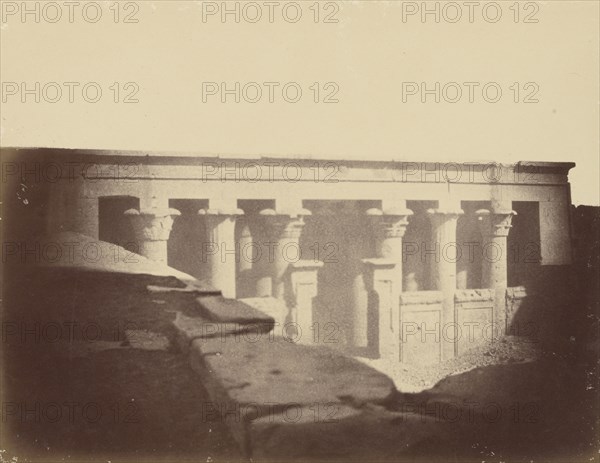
(277, 231)
(224, 213)
(495, 226)
(497, 223)
(390, 223)
(284, 224)
(444, 214)
(152, 224)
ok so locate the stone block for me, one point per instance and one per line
(190, 328)
(264, 368)
(421, 327)
(220, 309)
(273, 307)
(256, 378)
(474, 311)
(197, 289)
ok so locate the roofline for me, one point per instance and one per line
(189, 155)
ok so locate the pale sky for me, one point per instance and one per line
(368, 57)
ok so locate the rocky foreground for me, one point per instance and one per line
(98, 367)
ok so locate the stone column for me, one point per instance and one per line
(354, 246)
(415, 275)
(304, 288)
(152, 228)
(443, 222)
(219, 250)
(388, 228)
(248, 254)
(259, 255)
(495, 226)
(282, 247)
(384, 275)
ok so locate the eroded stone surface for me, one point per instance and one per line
(285, 401)
(196, 289)
(259, 383)
(191, 328)
(264, 368)
(473, 295)
(270, 306)
(220, 309)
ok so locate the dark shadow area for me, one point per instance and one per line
(540, 411)
(417, 241)
(114, 226)
(91, 371)
(185, 246)
(468, 236)
(551, 307)
(105, 393)
(524, 247)
(585, 322)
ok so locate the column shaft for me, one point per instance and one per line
(219, 251)
(495, 227)
(260, 266)
(444, 271)
(385, 276)
(281, 232)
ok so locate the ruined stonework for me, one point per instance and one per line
(430, 260)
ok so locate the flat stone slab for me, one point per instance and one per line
(187, 290)
(263, 368)
(255, 379)
(270, 306)
(284, 401)
(190, 328)
(220, 309)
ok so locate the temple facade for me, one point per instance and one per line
(408, 261)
